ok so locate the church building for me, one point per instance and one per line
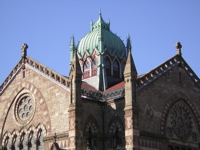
(104, 104)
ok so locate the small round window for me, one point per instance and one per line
(24, 109)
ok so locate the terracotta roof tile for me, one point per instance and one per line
(115, 87)
(89, 87)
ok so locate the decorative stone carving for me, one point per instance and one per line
(24, 109)
(24, 50)
(180, 123)
(148, 111)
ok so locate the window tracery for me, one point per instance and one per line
(86, 69)
(24, 109)
(91, 132)
(116, 133)
(25, 140)
(30, 142)
(180, 123)
(122, 68)
(14, 141)
(115, 68)
(86, 65)
(94, 66)
(5, 147)
(94, 62)
(21, 142)
(39, 141)
(108, 66)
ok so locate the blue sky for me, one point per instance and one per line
(47, 26)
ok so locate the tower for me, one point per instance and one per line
(131, 110)
(102, 56)
(75, 108)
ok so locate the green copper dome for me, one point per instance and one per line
(101, 38)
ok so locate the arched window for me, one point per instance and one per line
(86, 69)
(25, 139)
(116, 140)
(122, 68)
(86, 65)
(94, 66)
(22, 142)
(90, 139)
(14, 142)
(31, 145)
(108, 66)
(115, 68)
(116, 133)
(91, 133)
(94, 62)
(5, 146)
(39, 141)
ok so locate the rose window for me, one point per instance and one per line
(24, 109)
(180, 122)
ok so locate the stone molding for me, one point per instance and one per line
(57, 78)
(57, 137)
(151, 135)
(33, 90)
(165, 67)
(170, 103)
(26, 130)
(11, 76)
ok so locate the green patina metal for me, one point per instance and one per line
(101, 38)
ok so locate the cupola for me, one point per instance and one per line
(100, 31)
(102, 55)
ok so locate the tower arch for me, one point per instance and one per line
(91, 132)
(86, 68)
(116, 68)
(116, 132)
(110, 51)
(108, 65)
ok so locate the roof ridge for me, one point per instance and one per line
(49, 72)
(154, 73)
(39, 67)
(164, 67)
(190, 72)
(11, 75)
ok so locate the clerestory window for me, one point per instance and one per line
(108, 66)
(86, 69)
(116, 68)
(94, 66)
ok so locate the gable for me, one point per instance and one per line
(40, 69)
(46, 88)
(165, 67)
(156, 87)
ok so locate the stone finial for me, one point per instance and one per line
(91, 25)
(128, 45)
(178, 48)
(24, 50)
(100, 14)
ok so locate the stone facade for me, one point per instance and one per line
(41, 109)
